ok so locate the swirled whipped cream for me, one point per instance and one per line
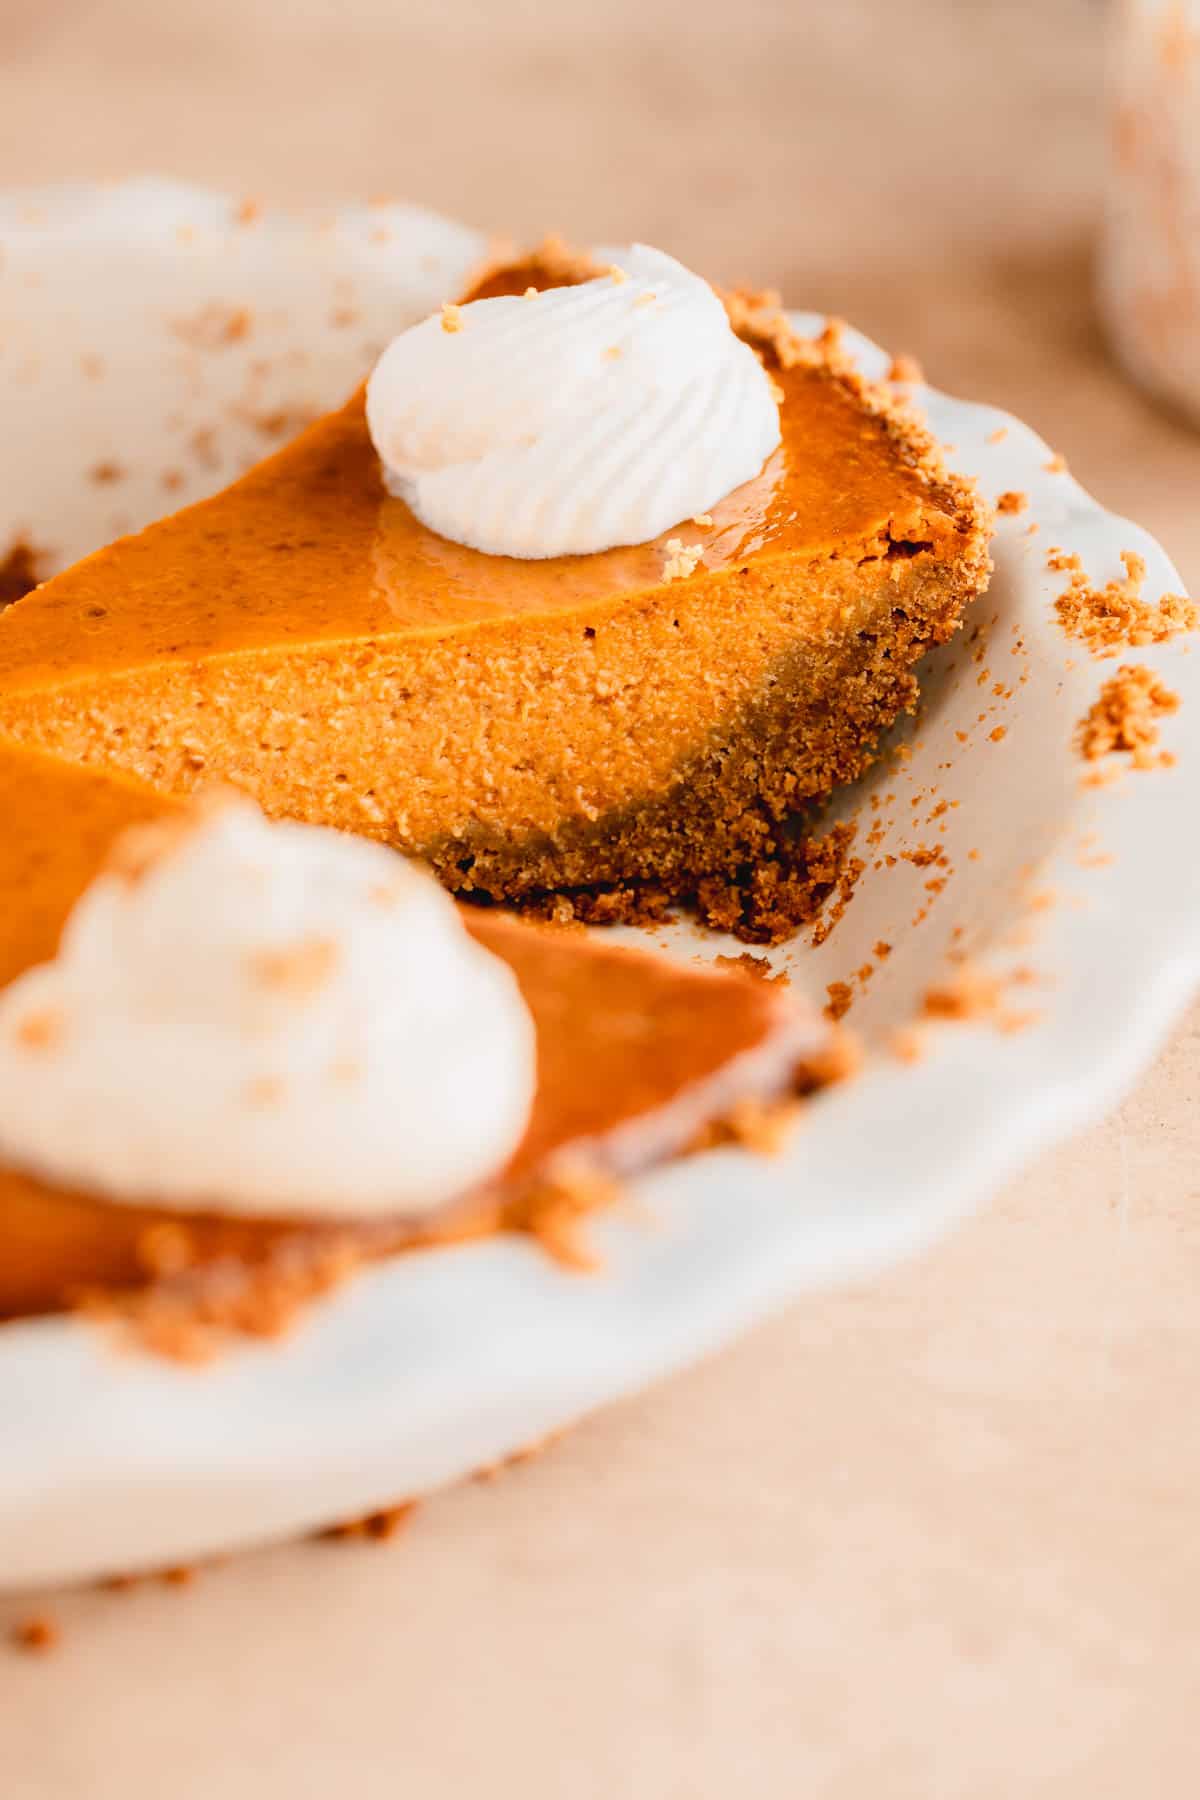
(575, 419)
(264, 1019)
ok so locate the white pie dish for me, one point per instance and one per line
(436, 1364)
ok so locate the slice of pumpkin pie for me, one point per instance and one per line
(604, 580)
(238, 1059)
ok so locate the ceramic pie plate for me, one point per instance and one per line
(156, 339)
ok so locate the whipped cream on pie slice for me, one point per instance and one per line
(575, 419)
(265, 1019)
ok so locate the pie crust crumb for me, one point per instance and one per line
(525, 1453)
(20, 571)
(762, 1126)
(554, 1211)
(37, 1634)
(972, 995)
(841, 998)
(40, 1030)
(682, 559)
(1125, 717)
(967, 994)
(907, 1043)
(757, 966)
(907, 369)
(1108, 617)
(372, 1527)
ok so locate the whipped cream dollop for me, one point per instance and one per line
(574, 419)
(264, 1018)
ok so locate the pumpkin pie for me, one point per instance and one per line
(630, 716)
(635, 1058)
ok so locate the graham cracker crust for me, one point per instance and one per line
(761, 902)
(732, 834)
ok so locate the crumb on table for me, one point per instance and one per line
(373, 1527)
(36, 1634)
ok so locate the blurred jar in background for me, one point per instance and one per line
(1150, 259)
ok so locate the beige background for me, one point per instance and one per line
(936, 1538)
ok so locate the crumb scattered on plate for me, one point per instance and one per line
(1125, 717)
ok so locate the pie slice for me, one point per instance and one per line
(636, 1056)
(521, 726)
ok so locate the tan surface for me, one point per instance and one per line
(934, 1539)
